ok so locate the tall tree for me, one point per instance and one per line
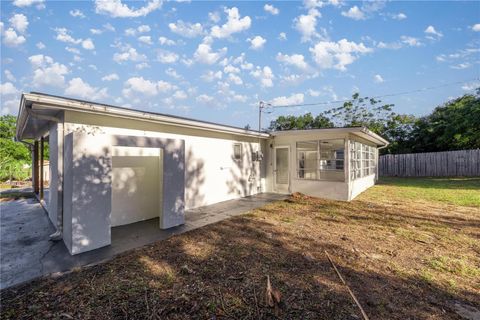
(302, 122)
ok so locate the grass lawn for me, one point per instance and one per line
(408, 248)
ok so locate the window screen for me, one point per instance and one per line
(237, 151)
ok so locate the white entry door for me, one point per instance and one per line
(281, 169)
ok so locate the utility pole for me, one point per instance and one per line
(261, 105)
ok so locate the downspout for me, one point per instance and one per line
(378, 158)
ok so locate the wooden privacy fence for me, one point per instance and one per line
(464, 163)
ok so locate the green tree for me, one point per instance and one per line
(13, 155)
(452, 126)
(302, 122)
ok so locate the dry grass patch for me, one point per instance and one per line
(404, 259)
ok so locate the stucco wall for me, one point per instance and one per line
(53, 171)
(211, 173)
(317, 188)
(137, 176)
(357, 186)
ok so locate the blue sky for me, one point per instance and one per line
(214, 60)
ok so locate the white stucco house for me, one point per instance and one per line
(111, 166)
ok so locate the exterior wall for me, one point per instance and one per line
(198, 169)
(55, 145)
(137, 176)
(346, 190)
(211, 173)
(317, 188)
(359, 185)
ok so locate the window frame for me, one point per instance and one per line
(363, 160)
(239, 156)
(301, 155)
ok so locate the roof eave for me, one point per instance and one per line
(73, 105)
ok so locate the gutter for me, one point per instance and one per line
(72, 105)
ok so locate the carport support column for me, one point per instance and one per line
(41, 167)
(35, 172)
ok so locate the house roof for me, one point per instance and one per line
(362, 132)
(36, 109)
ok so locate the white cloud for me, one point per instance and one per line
(144, 87)
(283, 100)
(233, 25)
(40, 45)
(337, 55)
(144, 28)
(141, 66)
(87, 44)
(307, 24)
(476, 27)
(313, 93)
(264, 75)
(173, 73)
(12, 39)
(145, 39)
(186, 29)
(212, 76)
(165, 56)
(354, 13)
(72, 50)
(378, 79)
(432, 34)
(296, 60)
(64, 36)
(96, 31)
(214, 16)
(77, 13)
(411, 41)
(128, 54)
(77, 87)
(231, 69)
(235, 79)
(47, 72)
(282, 36)
(28, 3)
(116, 9)
(399, 16)
(257, 42)
(110, 77)
(271, 9)
(165, 41)
(461, 66)
(9, 75)
(9, 96)
(19, 22)
(179, 95)
(7, 88)
(204, 54)
(205, 99)
(471, 86)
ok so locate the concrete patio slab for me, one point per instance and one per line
(27, 253)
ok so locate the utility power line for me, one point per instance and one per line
(269, 104)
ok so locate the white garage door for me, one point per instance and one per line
(136, 184)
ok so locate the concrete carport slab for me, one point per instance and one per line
(26, 252)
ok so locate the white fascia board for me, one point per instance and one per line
(362, 131)
(45, 102)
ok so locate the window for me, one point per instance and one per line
(362, 160)
(307, 159)
(321, 160)
(237, 151)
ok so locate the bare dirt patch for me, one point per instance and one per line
(402, 259)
